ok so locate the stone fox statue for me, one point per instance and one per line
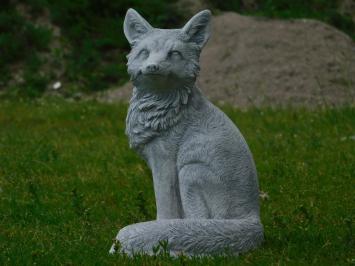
(204, 176)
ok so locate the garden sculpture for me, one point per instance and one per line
(205, 180)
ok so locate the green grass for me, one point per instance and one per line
(68, 182)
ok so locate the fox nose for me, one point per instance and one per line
(152, 68)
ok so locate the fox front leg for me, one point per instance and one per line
(166, 190)
(166, 183)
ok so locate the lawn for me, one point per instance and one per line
(68, 182)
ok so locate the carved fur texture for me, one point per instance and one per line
(205, 180)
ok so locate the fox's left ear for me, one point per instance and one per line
(134, 26)
(198, 28)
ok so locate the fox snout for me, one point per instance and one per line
(152, 68)
(152, 64)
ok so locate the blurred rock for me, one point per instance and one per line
(57, 85)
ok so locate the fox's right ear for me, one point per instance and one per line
(198, 28)
(135, 26)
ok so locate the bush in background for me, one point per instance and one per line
(92, 45)
(324, 10)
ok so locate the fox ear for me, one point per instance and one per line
(198, 28)
(135, 26)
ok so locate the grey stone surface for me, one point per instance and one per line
(205, 180)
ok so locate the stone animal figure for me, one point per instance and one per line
(204, 176)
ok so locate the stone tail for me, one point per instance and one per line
(192, 236)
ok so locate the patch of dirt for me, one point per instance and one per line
(264, 62)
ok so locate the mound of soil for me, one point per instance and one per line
(251, 61)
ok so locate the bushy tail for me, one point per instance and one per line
(192, 236)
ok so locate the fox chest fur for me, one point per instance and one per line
(154, 115)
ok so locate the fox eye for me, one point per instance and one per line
(175, 55)
(143, 54)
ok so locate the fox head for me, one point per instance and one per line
(163, 59)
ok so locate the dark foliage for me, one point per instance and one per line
(324, 10)
(91, 33)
